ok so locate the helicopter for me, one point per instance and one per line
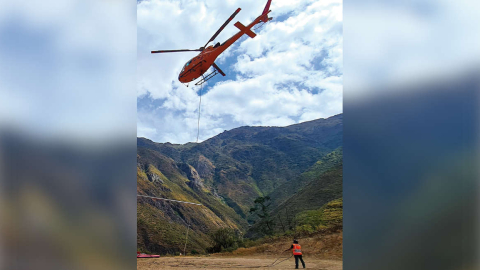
(200, 64)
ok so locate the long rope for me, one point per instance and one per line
(199, 107)
(273, 264)
(164, 199)
(237, 266)
(258, 27)
(186, 239)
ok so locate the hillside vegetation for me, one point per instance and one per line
(161, 226)
(318, 231)
(299, 167)
(314, 173)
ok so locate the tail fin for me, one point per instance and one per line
(267, 7)
(264, 17)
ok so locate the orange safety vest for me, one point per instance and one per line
(297, 249)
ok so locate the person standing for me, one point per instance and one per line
(297, 252)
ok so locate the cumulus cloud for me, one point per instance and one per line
(289, 73)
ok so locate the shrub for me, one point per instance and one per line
(225, 239)
(307, 228)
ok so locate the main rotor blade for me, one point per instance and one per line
(163, 199)
(169, 51)
(223, 26)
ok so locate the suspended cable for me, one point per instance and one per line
(164, 199)
(258, 27)
(199, 107)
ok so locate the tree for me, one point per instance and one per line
(224, 239)
(262, 210)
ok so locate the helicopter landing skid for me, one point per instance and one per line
(216, 70)
(207, 77)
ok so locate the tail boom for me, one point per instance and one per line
(245, 29)
(267, 8)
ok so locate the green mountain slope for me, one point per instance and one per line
(227, 173)
(247, 162)
(161, 226)
(327, 187)
(283, 192)
(329, 216)
(312, 190)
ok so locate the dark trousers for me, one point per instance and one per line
(296, 261)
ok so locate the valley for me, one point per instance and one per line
(298, 167)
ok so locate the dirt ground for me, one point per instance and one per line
(212, 262)
(321, 252)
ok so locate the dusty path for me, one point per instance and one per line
(212, 262)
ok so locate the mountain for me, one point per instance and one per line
(314, 173)
(161, 226)
(311, 190)
(227, 173)
(325, 188)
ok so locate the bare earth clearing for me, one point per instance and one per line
(321, 252)
(258, 262)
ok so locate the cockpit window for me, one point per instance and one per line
(186, 65)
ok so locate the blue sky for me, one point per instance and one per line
(291, 72)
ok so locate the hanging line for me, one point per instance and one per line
(275, 262)
(258, 27)
(199, 107)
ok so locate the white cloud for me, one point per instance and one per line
(290, 72)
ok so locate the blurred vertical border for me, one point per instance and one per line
(67, 134)
(411, 135)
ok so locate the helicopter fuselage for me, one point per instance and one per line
(198, 65)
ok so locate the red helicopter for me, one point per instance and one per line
(200, 64)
